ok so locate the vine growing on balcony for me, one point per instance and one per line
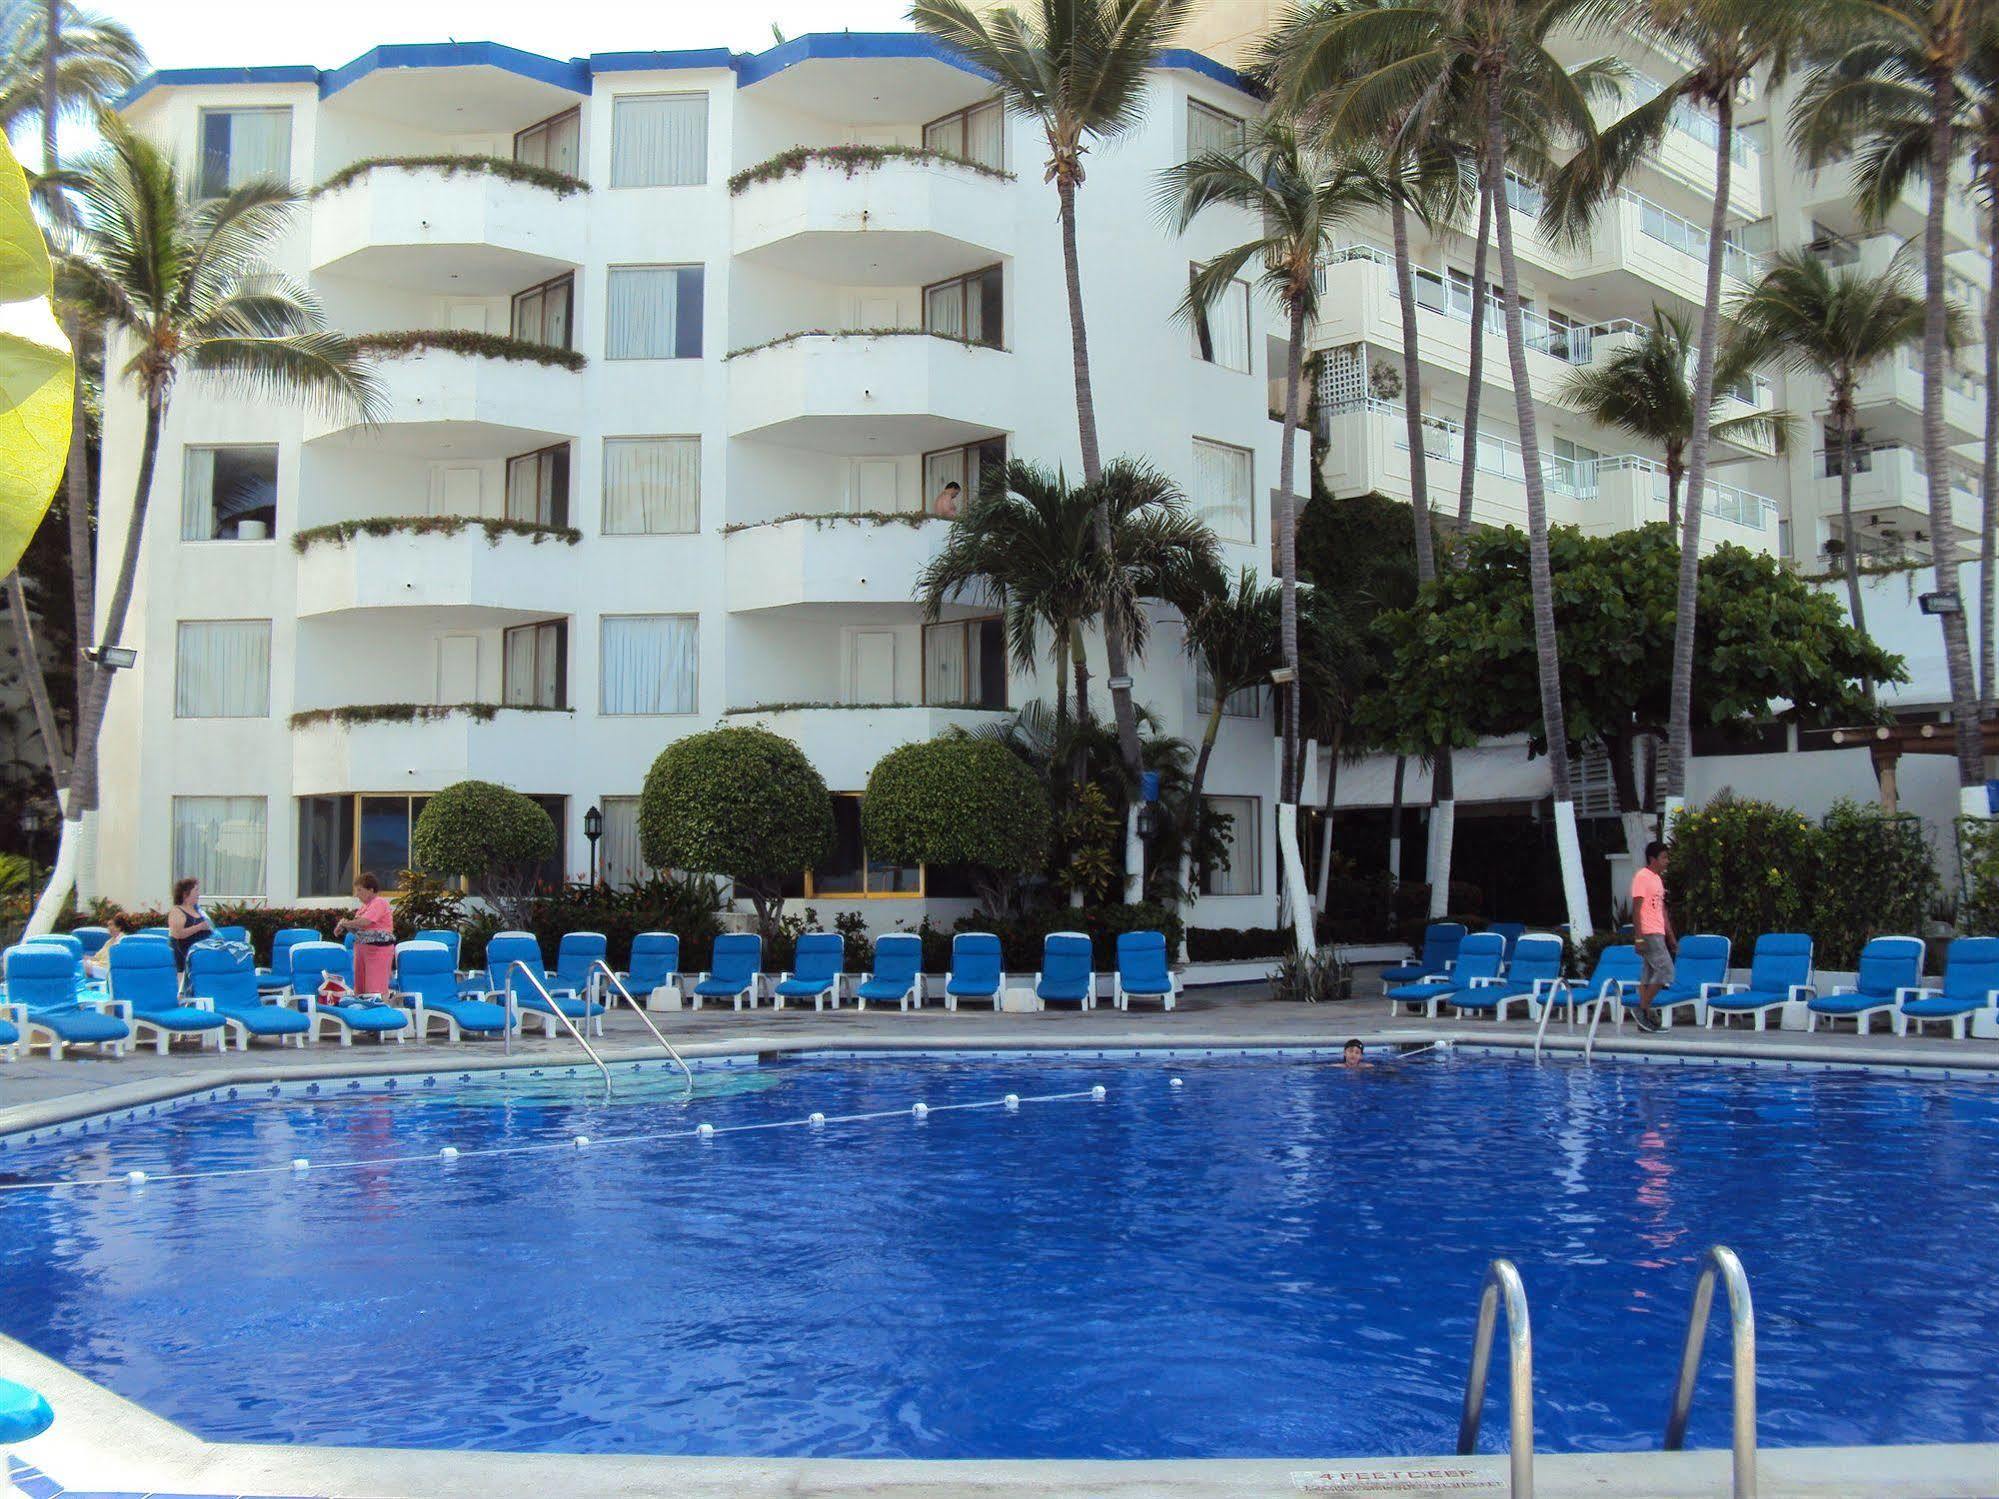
(339, 533)
(405, 713)
(560, 183)
(788, 338)
(852, 159)
(821, 519)
(402, 342)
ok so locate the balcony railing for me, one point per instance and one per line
(1689, 238)
(1444, 440)
(1697, 123)
(1956, 380)
(1724, 501)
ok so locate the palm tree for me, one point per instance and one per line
(1076, 68)
(1643, 389)
(1907, 66)
(184, 284)
(1839, 325)
(1371, 69)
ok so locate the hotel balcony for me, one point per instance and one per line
(1687, 154)
(832, 559)
(1628, 490)
(1891, 496)
(1640, 248)
(896, 393)
(515, 747)
(460, 233)
(476, 582)
(444, 399)
(1890, 402)
(1829, 196)
(845, 743)
(905, 221)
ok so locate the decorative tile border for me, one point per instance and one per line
(35, 1484)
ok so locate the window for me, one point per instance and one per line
(1211, 131)
(542, 313)
(1223, 496)
(534, 665)
(1244, 874)
(538, 487)
(222, 668)
(649, 663)
(553, 143)
(964, 664)
(229, 494)
(976, 134)
(968, 307)
(618, 859)
(966, 467)
(1244, 702)
(1221, 329)
(848, 870)
(342, 836)
(1571, 467)
(652, 486)
(220, 841)
(244, 145)
(659, 140)
(653, 312)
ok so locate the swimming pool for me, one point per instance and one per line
(1276, 1258)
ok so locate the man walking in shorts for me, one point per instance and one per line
(1653, 930)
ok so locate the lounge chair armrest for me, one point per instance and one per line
(1488, 983)
(1909, 992)
(1713, 988)
(1450, 964)
(1546, 987)
(1728, 988)
(1802, 991)
(17, 1013)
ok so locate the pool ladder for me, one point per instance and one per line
(598, 967)
(1502, 1287)
(534, 982)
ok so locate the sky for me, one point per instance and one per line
(202, 33)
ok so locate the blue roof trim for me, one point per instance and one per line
(649, 62)
(573, 75)
(848, 46)
(1190, 61)
(197, 77)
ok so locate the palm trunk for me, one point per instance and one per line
(1287, 552)
(1326, 822)
(1988, 471)
(1679, 713)
(1547, 651)
(1468, 468)
(1675, 473)
(38, 687)
(1845, 425)
(1936, 453)
(1200, 779)
(1079, 672)
(1395, 821)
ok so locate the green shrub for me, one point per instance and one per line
(959, 801)
(1230, 944)
(740, 802)
(1323, 977)
(1978, 866)
(688, 906)
(1741, 868)
(490, 835)
(1021, 936)
(1877, 877)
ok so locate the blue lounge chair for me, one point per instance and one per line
(10, 1038)
(898, 975)
(1512, 931)
(229, 934)
(818, 967)
(1479, 960)
(1441, 940)
(1700, 970)
(1968, 999)
(426, 984)
(735, 969)
(144, 976)
(312, 964)
(445, 938)
(1142, 971)
(224, 977)
(277, 979)
(574, 955)
(1617, 970)
(1536, 969)
(975, 969)
(655, 970)
(43, 1000)
(1068, 973)
(93, 938)
(69, 942)
(503, 951)
(1779, 974)
(1890, 971)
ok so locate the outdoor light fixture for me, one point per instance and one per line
(1942, 603)
(593, 829)
(1118, 684)
(114, 657)
(1283, 674)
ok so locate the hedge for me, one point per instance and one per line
(339, 533)
(404, 342)
(851, 159)
(560, 183)
(791, 338)
(365, 713)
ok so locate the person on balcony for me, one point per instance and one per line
(945, 506)
(374, 929)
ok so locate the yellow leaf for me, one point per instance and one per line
(37, 372)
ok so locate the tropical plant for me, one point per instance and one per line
(1877, 878)
(959, 800)
(745, 803)
(1838, 324)
(1643, 389)
(1077, 69)
(184, 284)
(1889, 93)
(490, 835)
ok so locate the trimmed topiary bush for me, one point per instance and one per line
(959, 801)
(492, 836)
(1741, 868)
(741, 802)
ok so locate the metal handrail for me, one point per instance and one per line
(598, 965)
(1721, 1261)
(1502, 1279)
(1548, 1009)
(555, 1010)
(1596, 1009)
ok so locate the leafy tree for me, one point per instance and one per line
(493, 836)
(1466, 668)
(959, 800)
(740, 802)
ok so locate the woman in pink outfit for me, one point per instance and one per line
(374, 929)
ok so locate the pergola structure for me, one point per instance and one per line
(1887, 743)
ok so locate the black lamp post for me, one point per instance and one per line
(593, 829)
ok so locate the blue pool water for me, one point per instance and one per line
(1279, 1258)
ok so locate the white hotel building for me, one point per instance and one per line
(679, 450)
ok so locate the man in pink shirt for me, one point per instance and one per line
(1653, 930)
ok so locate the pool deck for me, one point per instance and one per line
(104, 1445)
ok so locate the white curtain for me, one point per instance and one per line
(1228, 327)
(985, 135)
(220, 841)
(1222, 495)
(1242, 877)
(642, 312)
(1244, 702)
(222, 668)
(949, 664)
(944, 309)
(944, 468)
(946, 135)
(1210, 131)
(517, 670)
(649, 663)
(618, 859)
(659, 140)
(652, 486)
(260, 145)
(197, 495)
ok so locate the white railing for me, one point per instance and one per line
(1741, 507)
(1444, 440)
(1691, 239)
